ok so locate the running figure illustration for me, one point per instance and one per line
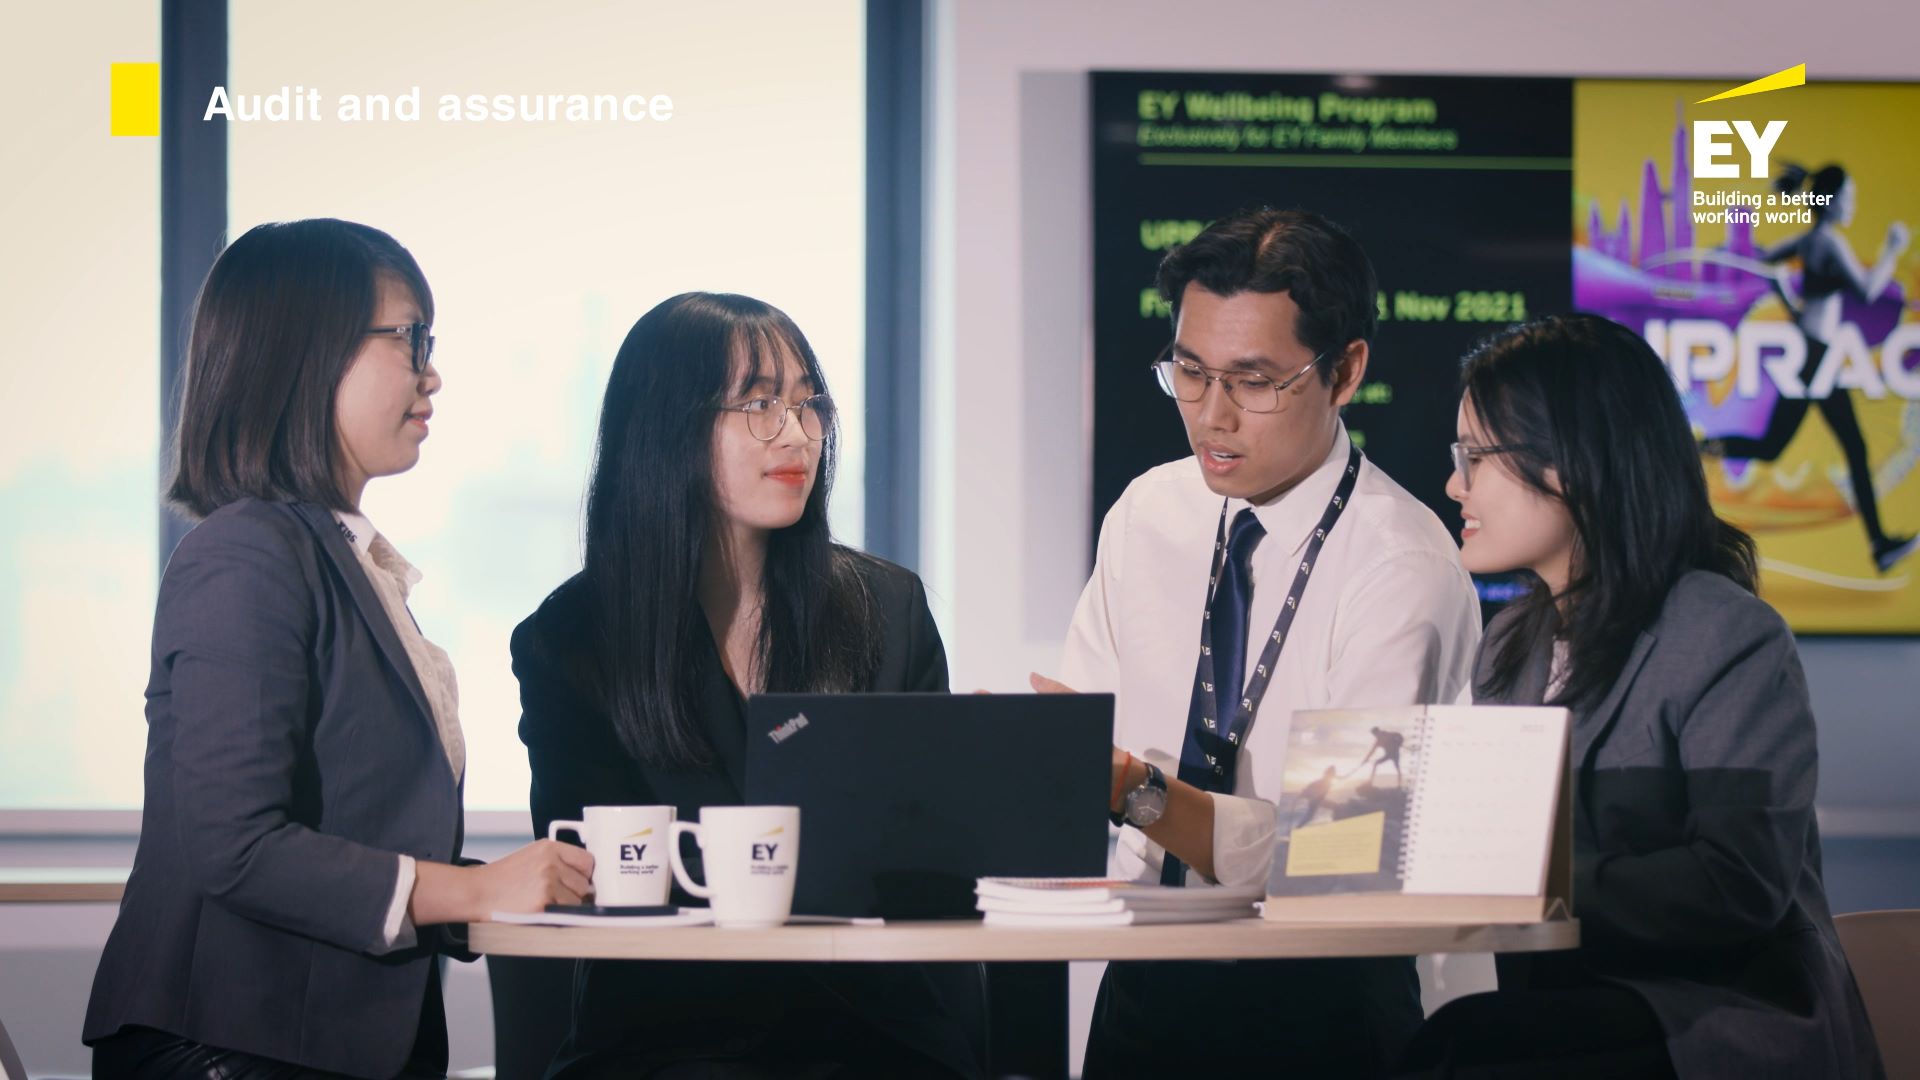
(1829, 270)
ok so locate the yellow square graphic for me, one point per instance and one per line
(136, 99)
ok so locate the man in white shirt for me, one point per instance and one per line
(1279, 558)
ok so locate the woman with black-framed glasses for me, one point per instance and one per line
(711, 575)
(1706, 944)
(299, 863)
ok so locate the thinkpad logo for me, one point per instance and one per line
(786, 731)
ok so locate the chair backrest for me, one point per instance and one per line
(10, 1066)
(1883, 948)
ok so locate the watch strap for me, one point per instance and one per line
(1154, 779)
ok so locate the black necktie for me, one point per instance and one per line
(1229, 614)
(1206, 759)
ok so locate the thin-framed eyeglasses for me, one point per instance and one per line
(767, 416)
(1464, 455)
(1185, 380)
(419, 342)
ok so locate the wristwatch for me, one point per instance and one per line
(1147, 802)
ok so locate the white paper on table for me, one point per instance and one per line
(685, 917)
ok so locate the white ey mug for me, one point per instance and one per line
(751, 855)
(629, 848)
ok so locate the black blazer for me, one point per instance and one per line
(644, 1014)
(291, 757)
(1696, 855)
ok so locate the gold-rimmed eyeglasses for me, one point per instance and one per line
(1185, 380)
(767, 416)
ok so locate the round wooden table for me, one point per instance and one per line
(1243, 939)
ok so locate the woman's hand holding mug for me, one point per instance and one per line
(541, 873)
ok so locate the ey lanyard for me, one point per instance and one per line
(1208, 757)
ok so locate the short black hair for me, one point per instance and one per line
(282, 314)
(1297, 252)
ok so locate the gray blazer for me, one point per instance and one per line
(291, 756)
(1696, 855)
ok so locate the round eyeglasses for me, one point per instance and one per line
(1185, 380)
(767, 416)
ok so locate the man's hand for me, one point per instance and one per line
(1128, 772)
(1043, 685)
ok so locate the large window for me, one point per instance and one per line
(543, 242)
(79, 392)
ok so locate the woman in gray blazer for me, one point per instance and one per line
(295, 875)
(1707, 949)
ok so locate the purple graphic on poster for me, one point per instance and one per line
(1667, 279)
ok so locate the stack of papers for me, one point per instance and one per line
(1106, 902)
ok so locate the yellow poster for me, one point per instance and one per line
(1761, 244)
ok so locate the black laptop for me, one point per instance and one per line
(905, 799)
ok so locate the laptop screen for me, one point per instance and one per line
(906, 799)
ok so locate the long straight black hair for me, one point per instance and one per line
(1589, 399)
(651, 506)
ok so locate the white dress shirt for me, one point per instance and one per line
(393, 578)
(1389, 617)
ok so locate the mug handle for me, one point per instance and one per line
(675, 830)
(577, 828)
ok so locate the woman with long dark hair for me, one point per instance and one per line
(301, 829)
(1707, 948)
(1828, 272)
(710, 575)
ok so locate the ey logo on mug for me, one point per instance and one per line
(634, 852)
(764, 851)
(628, 869)
(750, 854)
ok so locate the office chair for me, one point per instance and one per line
(1883, 948)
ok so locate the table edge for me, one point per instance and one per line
(967, 941)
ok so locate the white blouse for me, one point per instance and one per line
(393, 579)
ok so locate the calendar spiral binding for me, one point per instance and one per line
(1410, 824)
